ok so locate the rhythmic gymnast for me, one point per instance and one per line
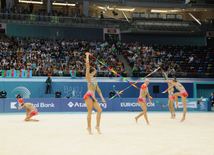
(29, 109)
(183, 94)
(142, 100)
(171, 97)
(91, 101)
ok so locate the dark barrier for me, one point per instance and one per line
(205, 106)
(130, 104)
(1, 105)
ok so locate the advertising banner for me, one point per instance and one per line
(80, 105)
(42, 105)
(132, 105)
(191, 104)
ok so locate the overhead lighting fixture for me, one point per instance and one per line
(158, 11)
(194, 9)
(101, 7)
(183, 9)
(64, 4)
(174, 10)
(33, 2)
(195, 19)
(126, 9)
(205, 10)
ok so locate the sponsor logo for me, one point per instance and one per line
(12, 105)
(189, 104)
(70, 104)
(134, 104)
(83, 105)
(202, 106)
(73, 92)
(23, 91)
(37, 105)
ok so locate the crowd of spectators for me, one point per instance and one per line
(56, 56)
(145, 58)
(60, 56)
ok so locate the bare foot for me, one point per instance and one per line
(136, 119)
(148, 124)
(89, 130)
(182, 119)
(174, 116)
(98, 129)
(36, 120)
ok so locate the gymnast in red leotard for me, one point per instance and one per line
(171, 97)
(142, 100)
(90, 100)
(30, 109)
(183, 94)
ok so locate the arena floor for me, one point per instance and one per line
(65, 134)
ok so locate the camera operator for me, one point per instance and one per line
(48, 84)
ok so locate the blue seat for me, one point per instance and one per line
(206, 62)
(199, 71)
(200, 68)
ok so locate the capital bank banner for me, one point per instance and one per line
(130, 104)
(43, 105)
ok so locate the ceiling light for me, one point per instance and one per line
(63, 4)
(205, 10)
(101, 7)
(110, 8)
(33, 2)
(194, 9)
(94, 5)
(183, 9)
(127, 9)
(158, 11)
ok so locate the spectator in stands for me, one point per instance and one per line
(191, 58)
(118, 45)
(48, 85)
(212, 99)
(31, 8)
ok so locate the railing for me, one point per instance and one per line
(163, 1)
(58, 20)
(125, 74)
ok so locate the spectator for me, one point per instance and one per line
(212, 99)
(48, 85)
(191, 58)
(31, 8)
